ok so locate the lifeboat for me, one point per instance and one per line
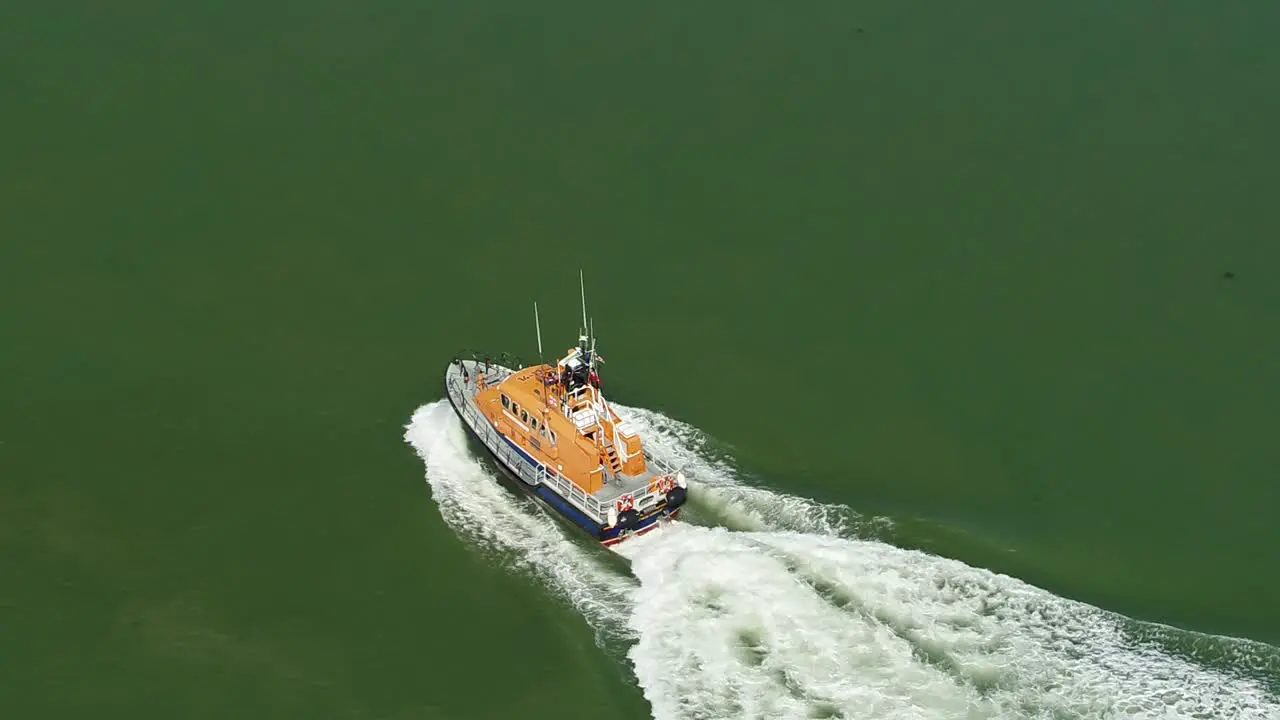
(550, 428)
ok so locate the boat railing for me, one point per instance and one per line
(664, 467)
(542, 473)
(502, 361)
(569, 490)
(646, 497)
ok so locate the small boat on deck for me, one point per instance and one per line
(551, 429)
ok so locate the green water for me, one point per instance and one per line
(961, 268)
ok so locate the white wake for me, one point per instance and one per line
(792, 616)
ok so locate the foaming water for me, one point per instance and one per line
(513, 530)
(794, 614)
(783, 624)
(726, 497)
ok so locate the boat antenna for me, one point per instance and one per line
(591, 332)
(538, 326)
(583, 285)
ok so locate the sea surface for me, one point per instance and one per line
(960, 319)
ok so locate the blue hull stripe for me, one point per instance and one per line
(568, 510)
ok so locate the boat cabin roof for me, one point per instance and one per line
(580, 425)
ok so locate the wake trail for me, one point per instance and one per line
(794, 613)
(512, 530)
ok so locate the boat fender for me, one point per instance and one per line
(613, 517)
(677, 497)
(629, 520)
(681, 481)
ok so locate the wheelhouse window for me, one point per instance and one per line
(524, 416)
(506, 401)
(553, 437)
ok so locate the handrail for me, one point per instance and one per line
(503, 360)
(565, 487)
(543, 473)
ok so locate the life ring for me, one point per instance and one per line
(624, 503)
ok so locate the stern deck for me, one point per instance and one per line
(618, 485)
(635, 485)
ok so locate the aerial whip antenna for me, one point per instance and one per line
(583, 285)
(538, 326)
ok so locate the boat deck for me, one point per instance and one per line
(494, 375)
(616, 485)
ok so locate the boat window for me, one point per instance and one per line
(553, 437)
(506, 401)
(515, 408)
(524, 416)
(533, 422)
